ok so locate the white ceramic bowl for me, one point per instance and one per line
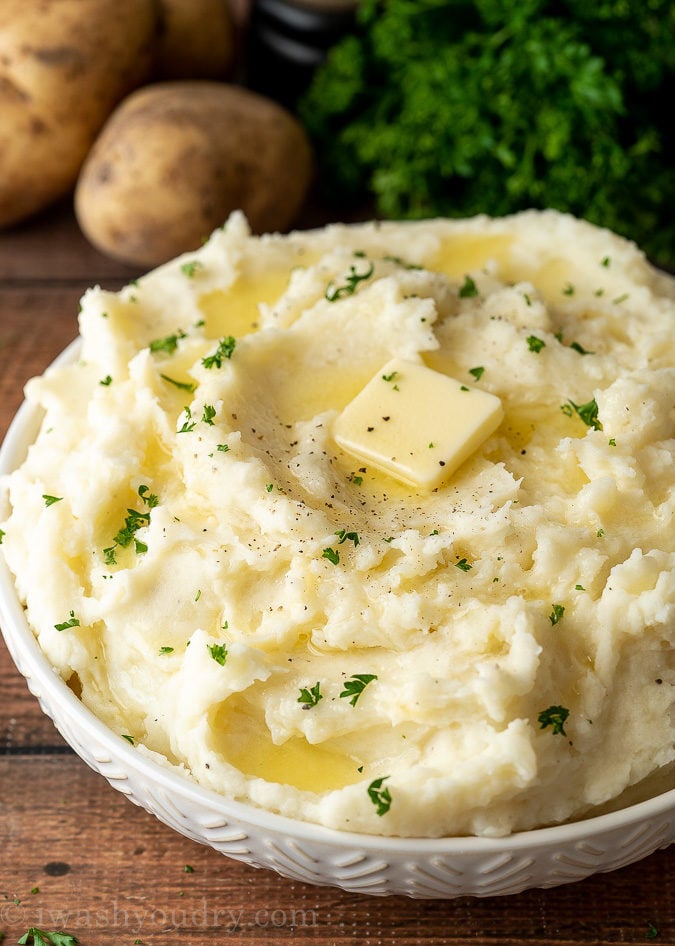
(421, 868)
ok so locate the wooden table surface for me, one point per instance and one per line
(77, 856)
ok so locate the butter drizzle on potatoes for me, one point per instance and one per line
(292, 629)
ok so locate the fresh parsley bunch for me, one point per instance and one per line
(457, 107)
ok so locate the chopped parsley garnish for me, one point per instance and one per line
(181, 385)
(332, 555)
(133, 521)
(310, 696)
(223, 447)
(166, 650)
(225, 349)
(43, 938)
(611, 442)
(588, 412)
(353, 278)
(535, 344)
(2, 535)
(150, 499)
(106, 381)
(399, 261)
(557, 613)
(343, 535)
(464, 565)
(129, 739)
(390, 377)
(477, 372)
(269, 487)
(380, 797)
(582, 351)
(188, 869)
(468, 289)
(50, 500)
(355, 687)
(188, 424)
(569, 290)
(555, 717)
(191, 268)
(605, 261)
(218, 652)
(356, 479)
(209, 414)
(169, 344)
(621, 298)
(71, 622)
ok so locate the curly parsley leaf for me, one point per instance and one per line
(188, 386)
(555, 717)
(190, 268)
(310, 696)
(352, 279)
(218, 652)
(168, 345)
(71, 622)
(380, 797)
(557, 613)
(134, 520)
(332, 555)
(43, 938)
(588, 412)
(354, 688)
(224, 350)
(535, 344)
(468, 289)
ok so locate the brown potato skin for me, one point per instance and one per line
(64, 64)
(195, 40)
(176, 158)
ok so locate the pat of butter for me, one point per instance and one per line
(416, 424)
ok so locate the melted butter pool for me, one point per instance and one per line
(245, 743)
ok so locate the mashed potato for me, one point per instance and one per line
(288, 625)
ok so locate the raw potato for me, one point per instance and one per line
(64, 65)
(176, 158)
(195, 40)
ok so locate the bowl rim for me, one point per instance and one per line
(20, 638)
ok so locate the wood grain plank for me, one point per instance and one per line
(35, 325)
(51, 248)
(24, 728)
(110, 873)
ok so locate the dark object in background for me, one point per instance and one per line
(288, 40)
